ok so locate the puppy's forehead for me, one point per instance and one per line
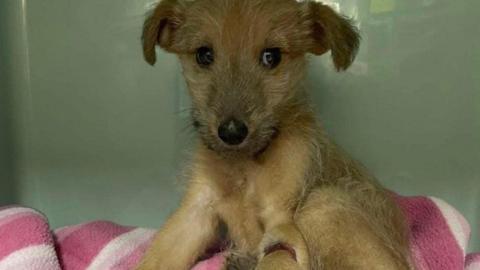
(245, 23)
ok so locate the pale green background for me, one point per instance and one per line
(90, 131)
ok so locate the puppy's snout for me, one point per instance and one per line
(233, 131)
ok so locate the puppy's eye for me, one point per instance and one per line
(204, 56)
(271, 57)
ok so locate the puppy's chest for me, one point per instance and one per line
(250, 195)
(255, 189)
(239, 208)
(240, 190)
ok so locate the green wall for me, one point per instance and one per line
(10, 23)
(6, 181)
(99, 134)
(6, 158)
(6, 143)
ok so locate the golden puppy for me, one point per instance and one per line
(264, 169)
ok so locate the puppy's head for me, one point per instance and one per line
(243, 61)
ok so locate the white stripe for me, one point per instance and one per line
(17, 210)
(120, 247)
(473, 266)
(42, 257)
(451, 216)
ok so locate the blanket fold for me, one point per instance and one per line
(26, 241)
(439, 238)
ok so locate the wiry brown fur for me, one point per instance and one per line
(287, 182)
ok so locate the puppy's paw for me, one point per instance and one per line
(279, 260)
(287, 240)
(237, 261)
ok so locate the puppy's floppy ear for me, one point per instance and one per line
(333, 32)
(160, 27)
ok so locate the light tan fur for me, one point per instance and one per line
(288, 183)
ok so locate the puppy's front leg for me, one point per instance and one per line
(185, 235)
(280, 182)
(279, 260)
(283, 247)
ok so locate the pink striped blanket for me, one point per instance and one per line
(439, 237)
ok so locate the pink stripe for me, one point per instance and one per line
(62, 233)
(213, 263)
(23, 232)
(79, 248)
(430, 235)
(130, 261)
(419, 262)
(10, 218)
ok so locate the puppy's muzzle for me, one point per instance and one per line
(233, 132)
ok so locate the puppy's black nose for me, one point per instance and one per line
(232, 132)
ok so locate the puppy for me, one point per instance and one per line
(263, 168)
